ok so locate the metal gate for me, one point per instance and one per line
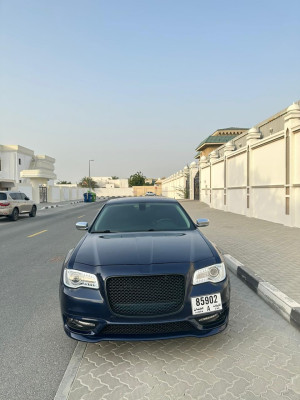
(43, 194)
(196, 187)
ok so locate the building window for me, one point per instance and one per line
(19, 161)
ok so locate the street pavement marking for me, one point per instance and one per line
(38, 233)
(80, 216)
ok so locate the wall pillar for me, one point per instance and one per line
(193, 172)
(203, 164)
(228, 149)
(253, 136)
(36, 182)
(292, 179)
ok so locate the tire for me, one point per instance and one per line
(33, 212)
(14, 215)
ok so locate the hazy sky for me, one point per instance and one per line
(136, 85)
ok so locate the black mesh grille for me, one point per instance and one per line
(148, 329)
(145, 295)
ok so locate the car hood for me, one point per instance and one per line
(142, 248)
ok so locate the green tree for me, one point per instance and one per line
(184, 192)
(88, 183)
(63, 183)
(137, 179)
(114, 177)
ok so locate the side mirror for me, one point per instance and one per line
(201, 222)
(82, 226)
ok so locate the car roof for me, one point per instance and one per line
(141, 200)
(10, 191)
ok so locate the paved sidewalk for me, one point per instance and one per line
(270, 250)
(256, 358)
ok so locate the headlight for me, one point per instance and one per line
(75, 279)
(214, 273)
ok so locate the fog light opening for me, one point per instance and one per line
(208, 318)
(80, 325)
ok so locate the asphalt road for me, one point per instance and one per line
(34, 348)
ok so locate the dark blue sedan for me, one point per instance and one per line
(143, 271)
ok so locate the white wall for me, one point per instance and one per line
(73, 193)
(65, 194)
(8, 165)
(268, 164)
(237, 170)
(269, 204)
(174, 186)
(59, 193)
(27, 189)
(53, 194)
(236, 201)
(217, 175)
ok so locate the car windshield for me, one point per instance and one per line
(142, 217)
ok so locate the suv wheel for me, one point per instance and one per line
(14, 215)
(33, 212)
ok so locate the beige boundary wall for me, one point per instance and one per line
(257, 174)
(174, 185)
(127, 192)
(142, 190)
(114, 192)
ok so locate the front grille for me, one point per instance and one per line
(147, 329)
(145, 295)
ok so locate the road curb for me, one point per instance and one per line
(54, 206)
(71, 371)
(61, 205)
(280, 302)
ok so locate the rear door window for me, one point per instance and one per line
(14, 196)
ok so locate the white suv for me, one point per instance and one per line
(14, 203)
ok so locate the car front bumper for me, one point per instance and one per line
(87, 317)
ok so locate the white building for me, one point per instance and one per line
(108, 187)
(108, 182)
(22, 170)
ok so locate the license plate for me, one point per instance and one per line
(206, 304)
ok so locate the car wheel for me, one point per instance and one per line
(14, 215)
(33, 212)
